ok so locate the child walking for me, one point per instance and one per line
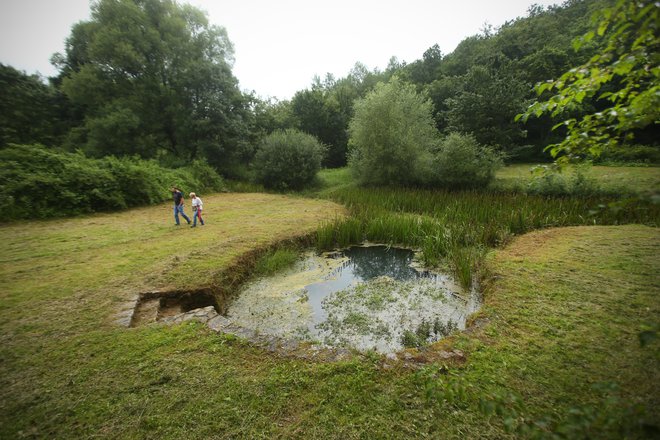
(197, 205)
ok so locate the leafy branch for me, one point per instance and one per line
(628, 65)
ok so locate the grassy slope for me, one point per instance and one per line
(564, 312)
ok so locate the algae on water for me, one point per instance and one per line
(364, 298)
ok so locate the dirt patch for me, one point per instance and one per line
(156, 306)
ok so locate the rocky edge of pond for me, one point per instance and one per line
(410, 358)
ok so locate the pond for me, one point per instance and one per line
(364, 297)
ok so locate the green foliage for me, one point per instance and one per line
(288, 159)
(29, 109)
(624, 76)
(317, 113)
(638, 154)
(553, 181)
(154, 76)
(323, 110)
(391, 136)
(460, 162)
(42, 183)
(485, 104)
(275, 261)
(453, 229)
(476, 89)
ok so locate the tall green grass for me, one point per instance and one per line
(276, 260)
(454, 228)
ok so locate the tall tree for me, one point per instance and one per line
(153, 76)
(318, 114)
(29, 109)
(486, 105)
(392, 136)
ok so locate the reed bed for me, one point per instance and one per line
(455, 228)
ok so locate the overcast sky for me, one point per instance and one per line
(280, 44)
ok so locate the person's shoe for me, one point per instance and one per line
(176, 224)
(188, 221)
(193, 226)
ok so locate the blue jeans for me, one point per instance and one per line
(179, 209)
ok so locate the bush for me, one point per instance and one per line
(461, 162)
(40, 183)
(288, 159)
(551, 181)
(391, 136)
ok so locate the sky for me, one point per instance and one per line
(280, 45)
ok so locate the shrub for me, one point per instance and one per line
(391, 136)
(550, 181)
(288, 159)
(39, 182)
(461, 162)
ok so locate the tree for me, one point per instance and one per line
(29, 109)
(426, 70)
(318, 114)
(392, 135)
(486, 105)
(153, 77)
(625, 75)
(288, 159)
(461, 162)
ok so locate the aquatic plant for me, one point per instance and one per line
(453, 228)
(275, 261)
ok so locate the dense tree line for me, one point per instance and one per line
(153, 79)
(477, 89)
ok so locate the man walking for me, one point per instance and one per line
(177, 195)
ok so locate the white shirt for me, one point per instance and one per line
(197, 202)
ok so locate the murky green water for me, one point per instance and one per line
(367, 297)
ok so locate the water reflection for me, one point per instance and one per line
(364, 263)
(366, 297)
(370, 262)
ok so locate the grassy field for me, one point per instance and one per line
(610, 179)
(558, 352)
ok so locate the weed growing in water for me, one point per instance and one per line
(427, 331)
(275, 261)
(455, 228)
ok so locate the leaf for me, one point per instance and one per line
(588, 36)
(577, 44)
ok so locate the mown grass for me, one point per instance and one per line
(555, 356)
(559, 356)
